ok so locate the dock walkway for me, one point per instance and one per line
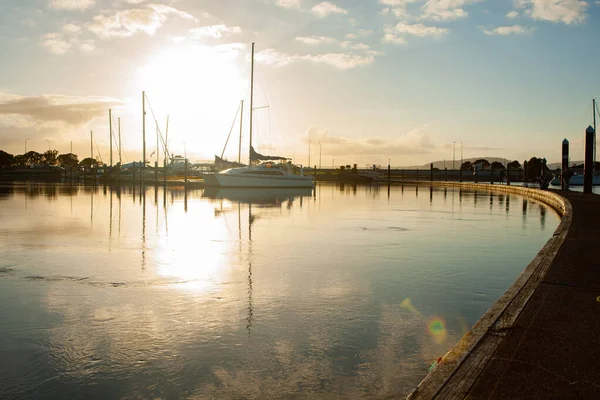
(545, 343)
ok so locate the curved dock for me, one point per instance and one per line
(542, 337)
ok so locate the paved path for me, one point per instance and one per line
(551, 349)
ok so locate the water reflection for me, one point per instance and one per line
(247, 294)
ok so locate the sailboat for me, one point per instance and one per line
(264, 175)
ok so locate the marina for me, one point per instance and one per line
(343, 290)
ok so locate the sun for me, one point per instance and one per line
(199, 87)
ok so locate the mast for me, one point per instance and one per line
(251, 104)
(594, 112)
(119, 122)
(157, 148)
(91, 145)
(167, 141)
(110, 133)
(241, 119)
(143, 132)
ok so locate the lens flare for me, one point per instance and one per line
(436, 327)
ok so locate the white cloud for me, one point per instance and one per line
(359, 33)
(168, 10)
(396, 7)
(415, 141)
(71, 28)
(513, 14)
(354, 46)
(416, 30)
(215, 31)
(507, 30)
(565, 11)
(325, 8)
(55, 43)
(394, 39)
(446, 10)
(315, 40)
(128, 22)
(87, 46)
(342, 61)
(289, 3)
(134, 1)
(72, 4)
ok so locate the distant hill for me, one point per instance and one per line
(440, 164)
(555, 165)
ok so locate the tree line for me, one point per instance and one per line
(485, 165)
(49, 158)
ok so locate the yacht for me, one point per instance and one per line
(262, 175)
(265, 175)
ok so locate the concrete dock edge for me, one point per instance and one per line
(453, 377)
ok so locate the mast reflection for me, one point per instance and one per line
(261, 198)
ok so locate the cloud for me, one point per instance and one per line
(446, 10)
(415, 141)
(326, 8)
(395, 34)
(392, 38)
(67, 39)
(72, 4)
(289, 3)
(359, 33)
(315, 40)
(71, 29)
(342, 61)
(507, 30)
(67, 109)
(168, 10)
(565, 11)
(418, 30)
(513, 14)
(214, 31)
(129, 22)
(396, 7)
(55, 43)
(87, 46)
(354, 46)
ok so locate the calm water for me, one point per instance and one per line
(348, 291)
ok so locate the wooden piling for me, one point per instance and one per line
(588, 167)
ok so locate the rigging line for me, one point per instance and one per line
(98, 150)
(122, 145)
(113, 131)
(231, 130)
(166, 151)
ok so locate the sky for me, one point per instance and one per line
(354, 81)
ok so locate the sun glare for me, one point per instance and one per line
(199, 87)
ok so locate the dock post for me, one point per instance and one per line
(588, 167)
(460, 174)
(155, 173)
(565, 164)
(507, 174)
(389, 174)
(445, 174)
(491, 175)
(165, 172)
(431, 172)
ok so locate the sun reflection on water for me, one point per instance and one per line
(197, 249)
